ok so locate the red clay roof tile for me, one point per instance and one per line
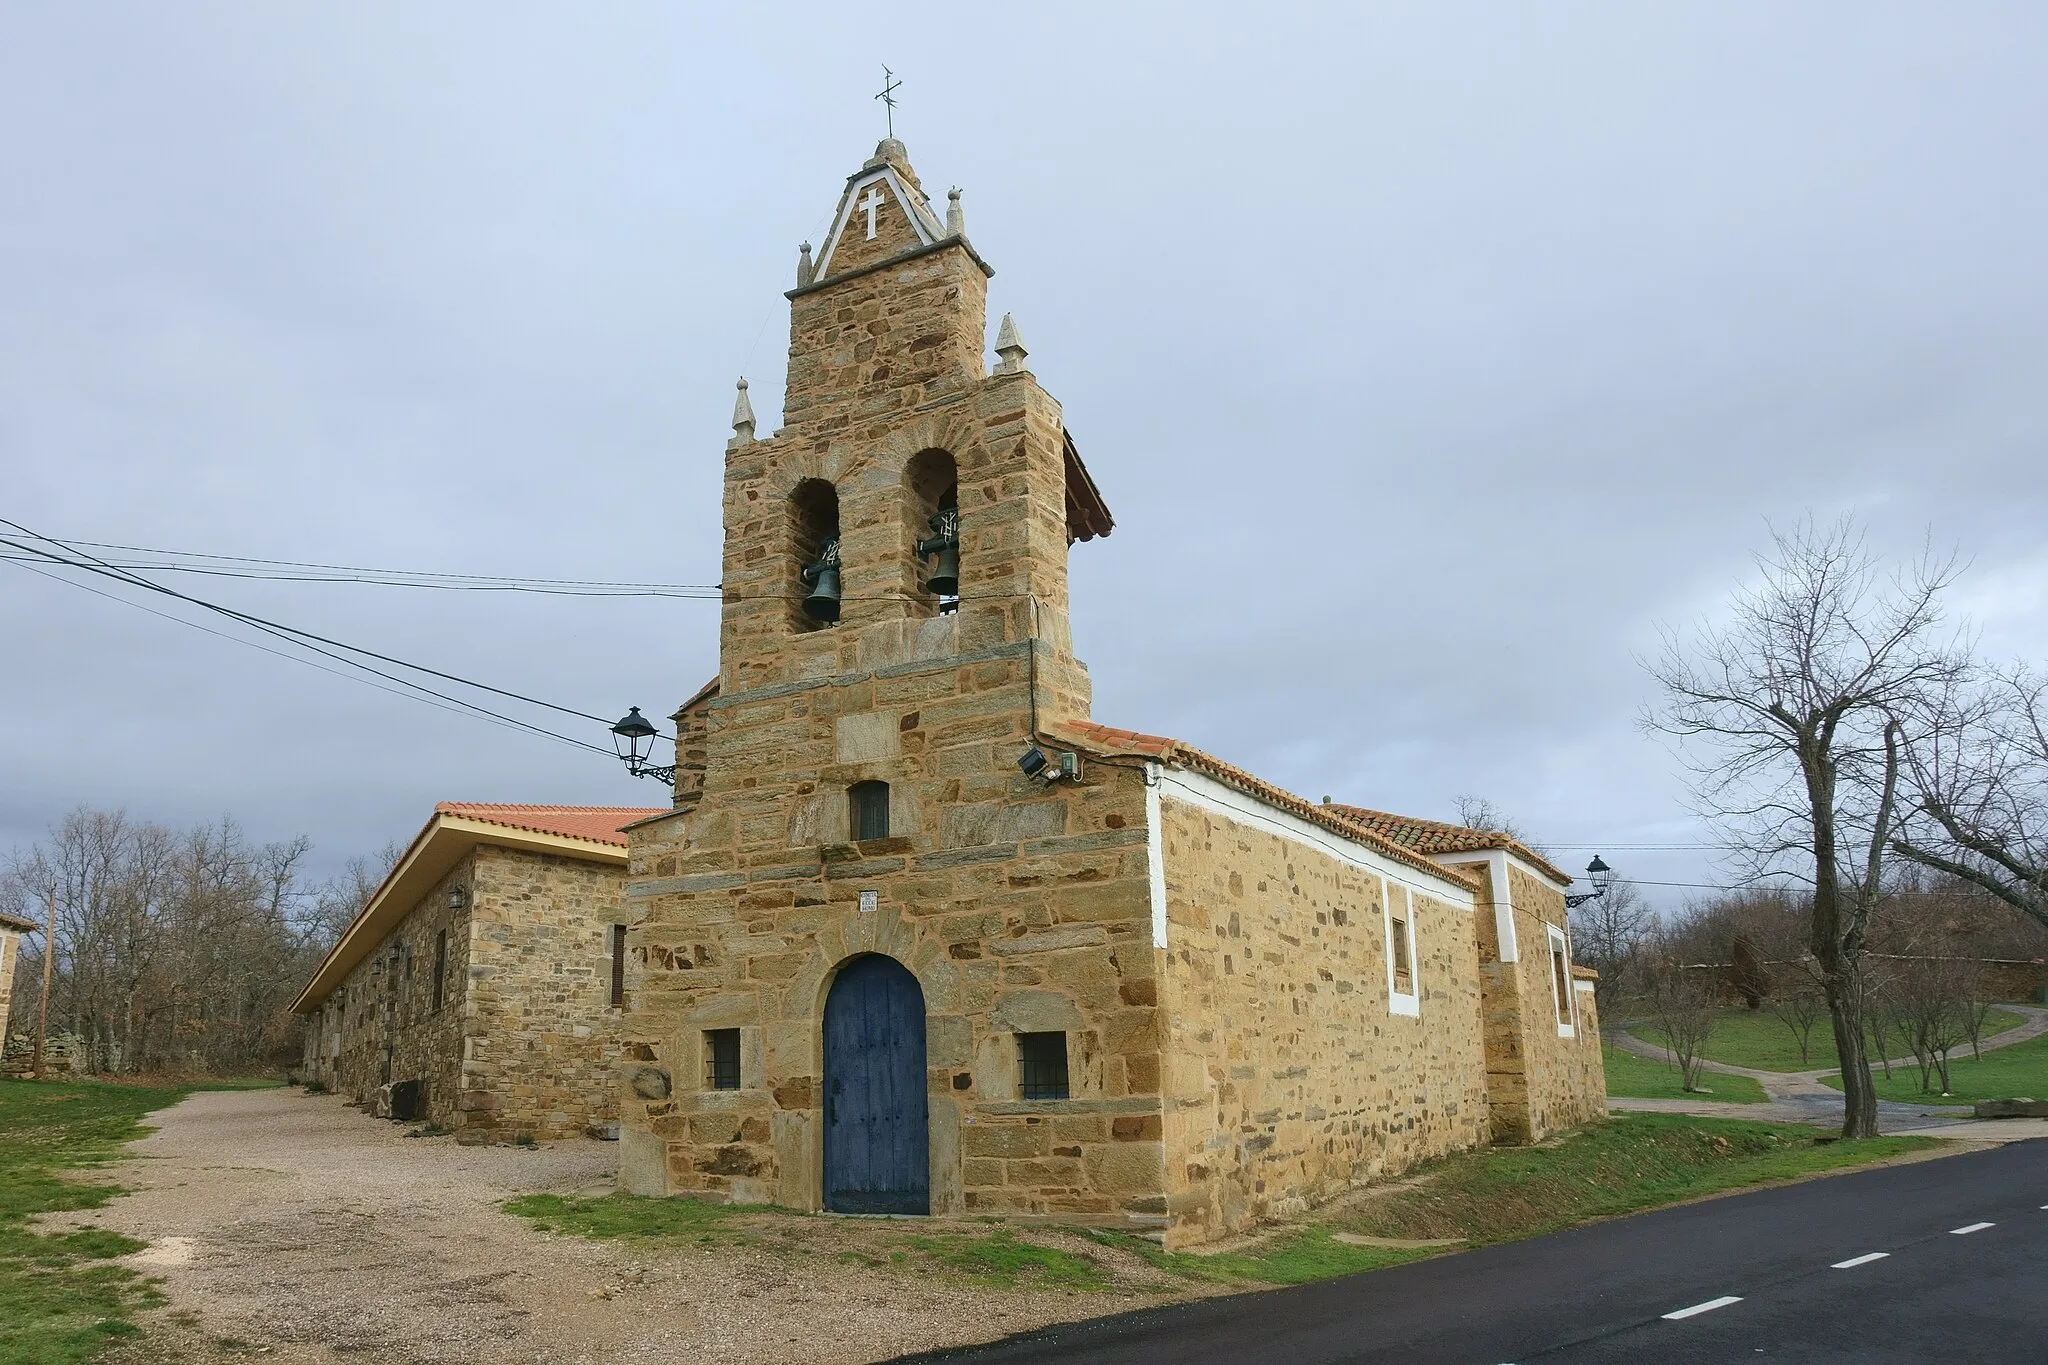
(599, 824)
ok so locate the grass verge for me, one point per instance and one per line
(1757, 1040)
(1626, 1165)
(2006, 1073)
(60, 1298)
(1633, 1077)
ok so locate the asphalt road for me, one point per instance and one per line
(1963, 1277)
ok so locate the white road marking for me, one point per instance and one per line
(1971, 1227)
(1865, 1259)
(1709, 1306)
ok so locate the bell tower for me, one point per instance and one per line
(913, 505)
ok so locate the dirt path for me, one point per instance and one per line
(294, 1228)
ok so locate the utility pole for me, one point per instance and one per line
(49, 960)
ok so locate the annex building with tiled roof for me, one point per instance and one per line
(920, 936)
(480, 988)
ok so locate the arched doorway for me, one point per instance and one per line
(876, 1142)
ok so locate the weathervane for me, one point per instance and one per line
(890, 85)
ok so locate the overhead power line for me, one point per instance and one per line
(292, 635)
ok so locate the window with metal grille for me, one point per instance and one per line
(619, 965)
(1042, 1066)
(868, 810)
(721, 1059)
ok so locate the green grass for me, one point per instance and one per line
(1631, 1163)
(1633, 1077)
(2006, 1073)
(1760, 1042)
(60, 1298)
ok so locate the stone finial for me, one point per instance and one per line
(956, 221)
(805, 271)
(742, 418)
(1010, 350)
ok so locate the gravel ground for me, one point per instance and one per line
(292, 1227)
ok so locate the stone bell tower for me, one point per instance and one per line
(820, 926)
(891, 420)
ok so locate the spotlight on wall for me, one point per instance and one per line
(1049, 769)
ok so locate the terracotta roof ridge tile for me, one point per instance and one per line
(1117, 741)
(595, 824)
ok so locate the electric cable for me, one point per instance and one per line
(299, 638)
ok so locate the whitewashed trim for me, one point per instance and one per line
(1155, 854)
(1503, 898)
(1206, 793)
(847, 209)
(1398, 1002)
(1564, 1006)
(1586, 986)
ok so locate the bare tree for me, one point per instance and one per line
(1794, 715)
(174, 950)
(1934, 1014)
(1686, 1005)
(1608, 935)
(1980, 787)
(1799, 1009)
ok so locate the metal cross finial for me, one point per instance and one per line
(890, 85)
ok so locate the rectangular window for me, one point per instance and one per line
(721, 1059)
(1042, 1066)
(1561, 979)
(440, 965)
(619, 966)
(1400, 945)
(868, 810)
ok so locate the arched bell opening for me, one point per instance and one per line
(815, 583)
(932, 528)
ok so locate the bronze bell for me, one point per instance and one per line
(945, 543)
(821, 603)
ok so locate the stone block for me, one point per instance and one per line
(1005, 1140)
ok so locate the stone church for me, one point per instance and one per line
(920, 936)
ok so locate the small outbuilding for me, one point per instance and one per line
(481, 987)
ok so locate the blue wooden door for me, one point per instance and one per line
(876, 1141)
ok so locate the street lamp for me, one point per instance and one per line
(1602, 877)
(631, 738)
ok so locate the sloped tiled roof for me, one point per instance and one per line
(599, 824)
(1437, 836)
(18, 924)
(1111, 740)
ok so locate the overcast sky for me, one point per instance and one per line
(1428, 355)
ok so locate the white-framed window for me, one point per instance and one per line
(1562, 999)
(1397, 908)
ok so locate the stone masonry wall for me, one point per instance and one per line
(1289, 1078)
(541, 1037)
(381, 1023)
(1539, 1080)
(1018, 907)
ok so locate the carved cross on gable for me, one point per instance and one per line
(869, 205)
